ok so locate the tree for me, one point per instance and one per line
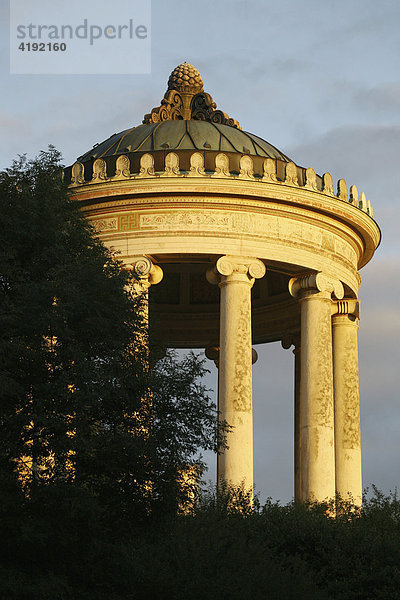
(75, 376)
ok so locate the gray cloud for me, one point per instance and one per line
(356, 151)
(379, 371)
(382, 101)
(366, 156)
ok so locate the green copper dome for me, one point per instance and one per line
(183, 135)
(187, 118)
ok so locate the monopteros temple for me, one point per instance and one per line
(241, 246)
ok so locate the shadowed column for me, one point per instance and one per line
(147, 274)
(287, 341)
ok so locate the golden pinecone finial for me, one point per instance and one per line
(185, 78)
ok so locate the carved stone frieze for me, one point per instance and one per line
(104, 225)
(286, 232)
(179, 220)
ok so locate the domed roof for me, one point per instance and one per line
(187, 119)
(184, 135)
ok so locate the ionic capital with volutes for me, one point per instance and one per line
(146, 271)
(232, 269)
(316, 283)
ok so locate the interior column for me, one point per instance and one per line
(287, 342)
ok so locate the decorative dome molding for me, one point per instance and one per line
(185, 99)
(183, 135)
(273, 171)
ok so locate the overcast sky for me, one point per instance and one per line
(319, 80)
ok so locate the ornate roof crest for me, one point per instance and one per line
(185, 99)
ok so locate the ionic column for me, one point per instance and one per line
(345, 316)
(147, 274)
(287, 342)
(235, 277)
(317, 451)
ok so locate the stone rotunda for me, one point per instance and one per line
(245, 247)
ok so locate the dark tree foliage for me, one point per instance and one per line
(229, 551)
(82, 409)
(67, 374)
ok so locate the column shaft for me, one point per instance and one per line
(235, 464)
(317, 451)
(317, 455)
(347, 407)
